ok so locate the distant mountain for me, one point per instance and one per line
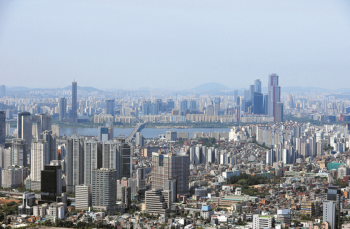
(14, 89)
(82, 88)
(210, 87)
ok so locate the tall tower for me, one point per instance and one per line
(2, 127)
(110, 106)
(74, 102)
(274, 94)
(62, 108)
(104, 187)
(258, 86)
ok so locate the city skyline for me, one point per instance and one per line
(155, 44)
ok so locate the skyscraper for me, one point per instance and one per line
(62, 105)
(258, 86)
(92, 159)
(193, 105)
(24, 127)
(110, 106)
(279, 112)
(51, 181)
(126, 161)
(74, 162)
(104, 187)
(39, 158)
(2, 127)
(183, 106)
(251, 91)
(169, 167)
(258, 103)
(74, 115)
(19, 152)
(274, 94)
(216, 105)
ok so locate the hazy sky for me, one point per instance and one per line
(174, 44)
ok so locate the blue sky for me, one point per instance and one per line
(174, 44)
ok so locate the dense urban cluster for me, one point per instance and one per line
(267, 171)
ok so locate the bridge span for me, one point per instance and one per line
(138, 127)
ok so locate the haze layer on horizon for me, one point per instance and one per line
(174, 44)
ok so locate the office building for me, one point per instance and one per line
(169, 167)
(126, 161)
(154, 109)
(263, 221)
(157, 201)
(50, 138)
(110, 106)
(170, 185)
(251, 93)
(105, 133)
(210, 110)
(104, 188)
(193, 105)
(266, 105)
(217, 105)
(74, 162)
(2, 91)
(171, 135)
(183, 106)
(274, 95)
(279, 112)
(2, 127)
(24, 127)
(92, 159)
(19, 152)
(41, 123)
(258, 103)
(170, 104)
(146, 107)
(82, 197)
(62, 106)
(329, 213)
(139, 139)
(74, 114)
(51, 181)
(28, 202)
(126, 196)
(257, 86)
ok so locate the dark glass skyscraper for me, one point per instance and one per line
(62, 108)
(74, 102)
(258, 103)
(110, 106)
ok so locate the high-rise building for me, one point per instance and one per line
(104, 188)
(41, 123)
(274, 94)
(210, 110)
(146, 107)
(51, 181)
(193, 105)
(157, 201)
(111, 156)
(2, 127)
(24, 127)
(216, 105)
(329, 213)
(110, 106)
(257, 86)
(14, 176)
(74, 115)
(126, 161)
(62, 105)
(39, 158)
(251, 93)
(2, 91)
(82, 196)
(19, 152)
(154, 109)
(183, 106)
(279, 112)
(92, 159)
(5, 157)
(258, 103)
(170, 104)
(170, 185)
(74, 162)
(168, 167)
(50, 138)
(266, 105)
